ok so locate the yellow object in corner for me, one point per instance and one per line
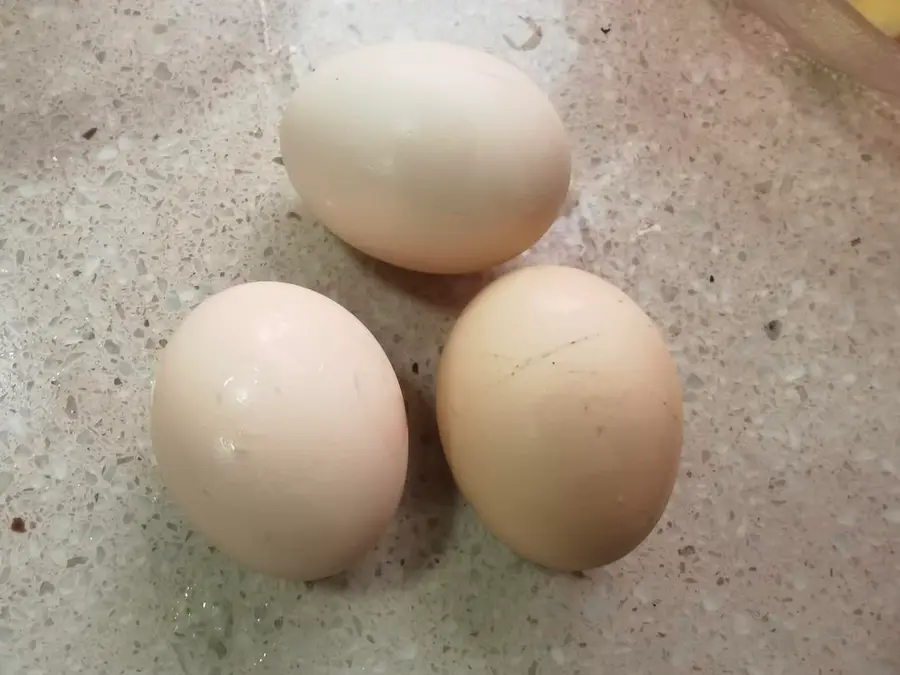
(883, 14)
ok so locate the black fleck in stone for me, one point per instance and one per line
(117, 381)
(605, 29)
(773, 329)
(89, 134)
(687, 550)
(712, 279)
(415, 368)
(146, 323)
(163, 342)
(866, 157)
(278, 160)
(856, 242)
(17, 525)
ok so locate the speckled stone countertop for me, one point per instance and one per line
(746, 199)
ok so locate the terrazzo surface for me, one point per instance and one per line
(745, 198)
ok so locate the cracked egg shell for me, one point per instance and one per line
(559, 409)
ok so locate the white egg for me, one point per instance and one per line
(280, 429)
(428, 156)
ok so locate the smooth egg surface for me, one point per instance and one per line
(279, 428)
(429, 156)
(559, 409)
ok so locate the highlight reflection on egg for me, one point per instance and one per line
(280, 430)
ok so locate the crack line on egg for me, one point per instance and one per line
(527, 363)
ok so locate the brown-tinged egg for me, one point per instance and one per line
(559, 408)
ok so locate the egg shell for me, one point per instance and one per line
(279, 428)
(429, 156)
(559, 409)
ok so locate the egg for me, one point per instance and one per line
(279, 428)
(559, 409)
(428, 156)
